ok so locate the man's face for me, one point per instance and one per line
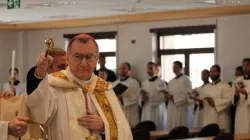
(246, 67)
(176, 69)
(123, 70)
(214, 74)
(15, 75)
(151, 69)
(102, 62)
(204, 75)
(238, 73)
(83, 59)
(59, 63)
(101, 74)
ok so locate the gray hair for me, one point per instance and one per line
(83, 40)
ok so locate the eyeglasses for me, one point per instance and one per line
(88, 57)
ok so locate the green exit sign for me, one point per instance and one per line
(13, 4)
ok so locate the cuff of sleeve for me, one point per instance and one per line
(4, 130)
(38, 76)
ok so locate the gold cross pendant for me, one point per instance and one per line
(91, 137)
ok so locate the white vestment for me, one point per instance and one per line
(178, 108)
(4, 130)
(221, 93)
(58, 102)
(20, 88)
(130, 100)
(199, 111)
(150, 109)
(242, 116)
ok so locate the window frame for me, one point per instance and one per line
(182, 31)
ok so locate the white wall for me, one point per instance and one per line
(8, 41)
(233, 43)
(232, 32)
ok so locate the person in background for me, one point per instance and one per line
(111, 75)
(59, 63)
(19, 87)
(103, 74)
(152, 96)
(178, 97)
(198, 104)
(17, 127)
(238, 73)
(127, 90)
(163, 116)
(241, 100)
(217, 100)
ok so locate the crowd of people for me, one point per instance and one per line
(71, 99)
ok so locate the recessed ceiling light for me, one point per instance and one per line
(137, 9)
(52, 4)
(221, 1)
(59, 16)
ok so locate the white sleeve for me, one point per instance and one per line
(226, 100)
(133, 91)
(158, 96)
(4, 130)
(182, 98)
(43, 102)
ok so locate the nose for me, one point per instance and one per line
(84, 62)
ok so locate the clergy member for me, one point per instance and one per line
(59, 63)
(16, 127)
(127, 90)
(241, 100)
(19, 87)
(238, 73)
(217, 100)
(198, 104)
(111, 75)
(152, 96)
(75, 103)
(178, 98)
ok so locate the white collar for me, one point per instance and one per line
(82, 82)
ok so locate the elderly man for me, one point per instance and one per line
(16, 127)
(74, 103)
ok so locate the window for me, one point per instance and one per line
(107, 46)
(193, 46)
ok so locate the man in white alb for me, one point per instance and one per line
(198, 104)
(217, 100)
(178, 98)
(128, 92)
(241, 100)
(152, 96)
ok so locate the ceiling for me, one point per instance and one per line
(51, 10)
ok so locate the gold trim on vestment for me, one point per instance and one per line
(61, 75)
(99, 92)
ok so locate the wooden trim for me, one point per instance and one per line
(100, 35)
(7, 27)
(184, 30)
(107, 54)
(186, 51)
(143, 17)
